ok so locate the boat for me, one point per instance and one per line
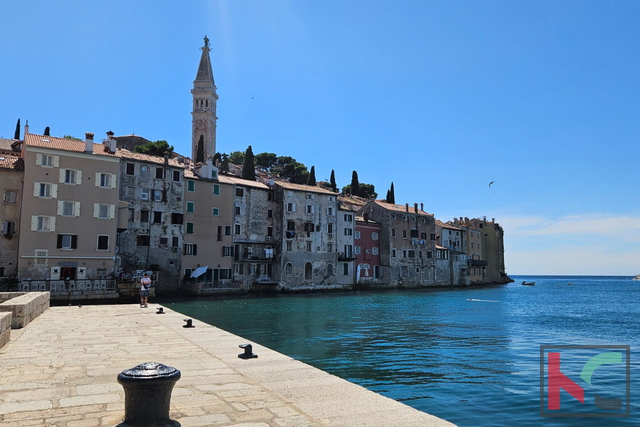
(637, 277)
(528, 283)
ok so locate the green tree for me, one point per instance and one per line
(311, 180)
(157, 148)
(391, 197)
(47, 131)
(332, 181)
(266, 160)
(368, 191)
(199, 150)
(236, 157)
(224, 163)
(71, 137)
(217, 158)
(249, 166)
(16, 135)
(355, 184)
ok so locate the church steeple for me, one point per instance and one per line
(205, 99)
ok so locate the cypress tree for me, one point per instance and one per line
(16, 135)
(391, 196)
(200, 150)
(312, 177)
(224, 163)
(355, 184)
(249, 167)
(332, 180)
(47, 131)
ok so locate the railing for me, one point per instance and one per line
(59, 286)
(211, 285)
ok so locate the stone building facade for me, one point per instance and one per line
(11, 175)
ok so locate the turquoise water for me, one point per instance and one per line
(471, 356)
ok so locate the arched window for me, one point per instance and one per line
(206, 102)
(201, 103)
(308, 271)
(288, 268)
(329, 269)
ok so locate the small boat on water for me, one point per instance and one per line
(637, 277)
(528, 283)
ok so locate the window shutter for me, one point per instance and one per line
(62, 174)
(34, 223)
(293, 207)
(112, 211)
(52, 222)
(195, 249)
(79, 177)
(38, 159)
(59, 241)
(74, 241)
(77, 208)
(96, 210)
(113, 181)
(36, 189)
(56, 161)
(97, 181)
(184, 250)
(60, 207)
(54, 191)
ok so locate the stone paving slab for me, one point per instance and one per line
(61, 371)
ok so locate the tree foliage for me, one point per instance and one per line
(249, 166)
(355, 184)
(266, 160)
(16, 134)
(391, 196)
(47, 131)
(236, 157)
(224, 163)
(332, 181)
(71, 137)
(366, 191)
(157, 148)
(288, 168)
(311, 180)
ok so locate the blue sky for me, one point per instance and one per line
(441, 98)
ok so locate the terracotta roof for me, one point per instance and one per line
(361, 219)
(399, 208)
(5, 144)
(307, 188)
(239, 181)
(448, 226)
(11, 162)
(63, 144)
(126, 154)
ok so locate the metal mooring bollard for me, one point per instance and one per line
(248, 352)
(189, 323)
(147, 393)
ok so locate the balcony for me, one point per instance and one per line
(477, 263)
(345, 257)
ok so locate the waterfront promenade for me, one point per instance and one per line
(61, 370)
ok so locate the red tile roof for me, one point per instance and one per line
(307, 188)
(126, 154)
(63, 144)
(447, 226)
(11, 162)
(400, 208)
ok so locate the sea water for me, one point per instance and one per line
(468, 355)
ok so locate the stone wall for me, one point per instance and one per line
(5, 328)
(24, 307)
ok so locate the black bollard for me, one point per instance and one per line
(248, 352)
(189, 323)
(147, 393)
(160, 310)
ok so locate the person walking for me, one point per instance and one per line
(145, 285)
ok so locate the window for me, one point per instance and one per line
(414, 233)
(103, 242)
(10, 197)
(43, 223)
(103, 211)
(393, 216)
(291, 226)
(412, 253)
(8, 228)
(190, 249)
(239, 192)
(143, 240)
(237, 229)
(433, 236)
(214, 174)
(191, 207)
(175, 241)
(158, 195)
(157, 217)
(176, 176)
(330, 247)
(348, 217)
(310, 209)
(42, 256)
(289, 245)
(191, 185)
(308, 244)
(357, 235)
(309, 196)
(70, 176)
(46, 160)
(144, 195)
(404, 218)
(404, 253)
(393, 253)
(216, 211)
(288, 269)
(330, 228)
(345, 269)
(101, 272)
(45, 190)
(356, 250)
(429, 254)
(190, 227)
(308, 271)
(404, 271)
(67, 208)
(393, 232)
(216, 189)
(144, 215)
(374, 250)
(105, 180)
(348, 232)
(376, 271)
(130, 169)
(159, 173)
(227, 251)
(348, 251)
(404, 234)
(68, 241)
(329, 211)
(131, 192)
(374, 236)
(227, 230)
(270, 213)
(291, 207)
(237, 210)
(423, 235)
(309, 227)
(269, 231)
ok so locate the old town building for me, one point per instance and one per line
(11, 175)
(367, 250)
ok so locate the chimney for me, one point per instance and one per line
(415, 207)
(26, 129)
(88, 142)
(493, 220)
(422, 207)
(110, 142)
(466, 221)
(484, 218)
(407, 206)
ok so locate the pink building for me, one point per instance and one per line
(367, 250)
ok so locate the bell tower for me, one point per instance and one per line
(205, 100)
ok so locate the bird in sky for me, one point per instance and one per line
(491, 183)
